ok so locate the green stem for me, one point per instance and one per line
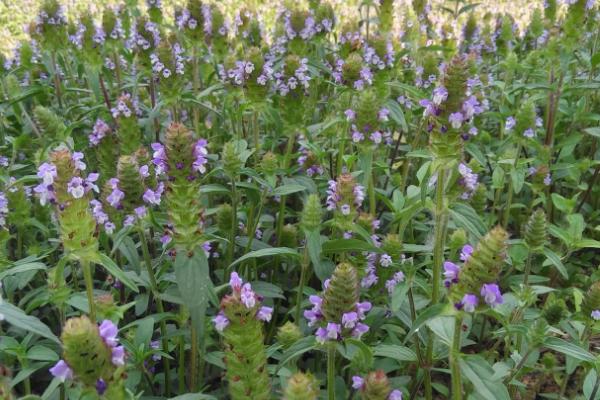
(181, 369)
(159, 306)
(89, 287)
(509, 197)
(527, 269)
(194, 359)
(438, 259)
(303, 268)
(231, 248)
(331, 370)
(454, 360)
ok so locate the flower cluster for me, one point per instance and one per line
(175, 60)
(350, 324)
(126, 107)
(3, 209)
(375, 385)
(468, 180)
(344, 195)
(248, 298)
(99, 131)
(489, 292)
(294, 75)
(108, 332)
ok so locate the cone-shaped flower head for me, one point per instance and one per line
(312, 213)
(288, 334)
(301, 386)
(536, 231)
(182, 159)
(240, 321)
(481, 269)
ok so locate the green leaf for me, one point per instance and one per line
(194, 283)
(479, 373)
(41, 353)
(343, 245)
(267, 290)
(19, 268)
(194, 396)
(303, 345)
(464, 216)
(271, 251)
(15, 316)
(569, 349)
(595, 131)
(587, 243)
(322, 269)
(555, 260)
(397, 352)
(443, 327)
(399, 296)
(114, 270)
(429, 313)
(287, 189)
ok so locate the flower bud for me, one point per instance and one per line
(386, 15)
(289, 236)
(231, 159)
(269, 163)
(483, 266)
(85, 352)
(536, 231)
(125, 112)
(224, 218)
(376, 386)
(591, 301)
(312, 213)
(301, 386)
(554, 311)
(130, 182)
(342, 292)
(245, 355)
(458, 239)
(288, 334)
(50, 124)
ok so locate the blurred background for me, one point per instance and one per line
(16, 14)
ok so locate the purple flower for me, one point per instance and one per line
(247, 296)
(595, 315)
(99, 131)
(200, 152)
(62, 371)
(100, 386)
(491, 294)
(75, 187)
(468, 302)
(115, 197)
(77, 157)
(235, 282)
(140, 211)
(529, 133)
(333, 330)
(350, 114)
(430, 108)
(466, 252)
(349, 319)
(548, 179)
(383, 114)
(345, 209)
(220, 322)
(510, 123)
(321, 335)
(395, 395)
(456, 120)
(359, 330)
(440, 94)
(153, 196)
(316, 301)
(108, 332)
(357, 382)
(376, 137)
(312, 316)
(363, 308)
(265, 313)
(118, 355)
(385, 260)
(451, 272)
(47, 172)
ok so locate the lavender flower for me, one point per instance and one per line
(357, 382)
(451, 272)
(468, 303)
(595, 315)
(491, 294)
(466, 252)
(62, 371)
(220, 322)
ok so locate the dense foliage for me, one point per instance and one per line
(403, 204)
